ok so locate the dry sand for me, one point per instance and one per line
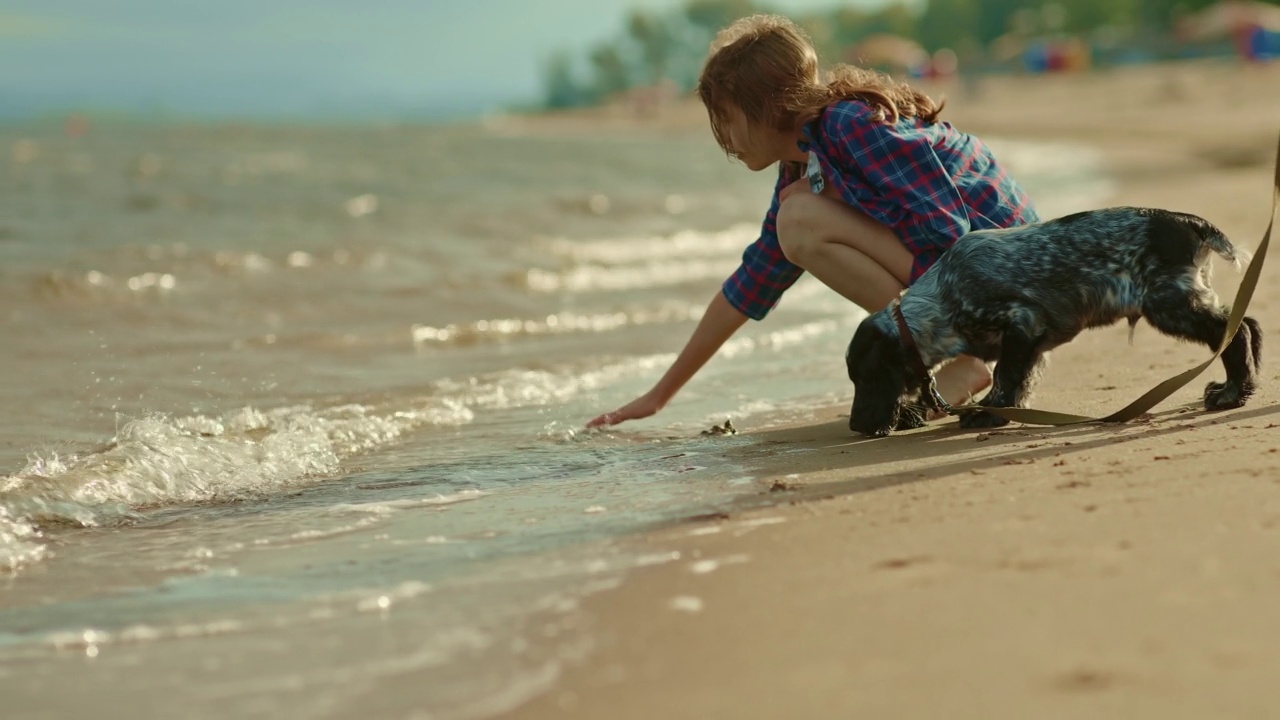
(1096, 571)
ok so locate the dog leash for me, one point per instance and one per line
(1155, 395)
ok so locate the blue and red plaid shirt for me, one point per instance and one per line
(929, 183)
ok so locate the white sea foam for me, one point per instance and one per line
(161, 460)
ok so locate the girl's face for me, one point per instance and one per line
(757, 146)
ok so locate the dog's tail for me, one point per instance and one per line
(1213, 239)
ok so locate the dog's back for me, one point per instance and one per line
(1082, 270)
(1097, 239)
(1076, 251)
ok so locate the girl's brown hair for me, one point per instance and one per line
(766, 66)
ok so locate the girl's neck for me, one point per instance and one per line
(790, 146)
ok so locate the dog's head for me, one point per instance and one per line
(877, 364)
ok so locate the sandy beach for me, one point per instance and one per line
(1093, 571)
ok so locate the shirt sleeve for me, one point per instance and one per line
(765, 273)
(899, 161)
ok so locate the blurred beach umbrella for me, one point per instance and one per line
(888, 51)
(1229, 19)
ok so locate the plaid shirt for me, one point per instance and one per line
(930, 184)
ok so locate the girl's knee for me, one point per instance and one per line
(797, 231)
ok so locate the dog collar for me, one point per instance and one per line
(931, 396)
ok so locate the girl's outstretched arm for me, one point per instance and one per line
(718, 324)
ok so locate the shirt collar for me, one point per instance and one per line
(806, 139)
(808, 135)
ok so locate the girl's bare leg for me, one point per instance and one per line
(865, 262)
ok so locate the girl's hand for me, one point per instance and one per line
(641, 407)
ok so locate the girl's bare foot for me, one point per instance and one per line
(960, 380)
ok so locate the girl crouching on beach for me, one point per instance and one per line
(872, 189)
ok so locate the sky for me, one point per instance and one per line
(262, 57)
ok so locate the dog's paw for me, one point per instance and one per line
(910, 417)
(1225, 396)
(980, 420)
(872, 432)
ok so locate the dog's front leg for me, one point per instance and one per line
(1014, 375)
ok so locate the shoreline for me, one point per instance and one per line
(1118, 570)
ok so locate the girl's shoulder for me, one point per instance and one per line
(855, 122)
(840, 120)
(853, 117)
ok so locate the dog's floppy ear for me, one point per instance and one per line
(875, 363)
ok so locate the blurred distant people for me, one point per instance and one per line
(1258, 44)
(1252, 27)
(1070, 54)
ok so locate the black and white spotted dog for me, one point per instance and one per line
(1012, 295)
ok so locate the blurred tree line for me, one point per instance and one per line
(671, 46)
